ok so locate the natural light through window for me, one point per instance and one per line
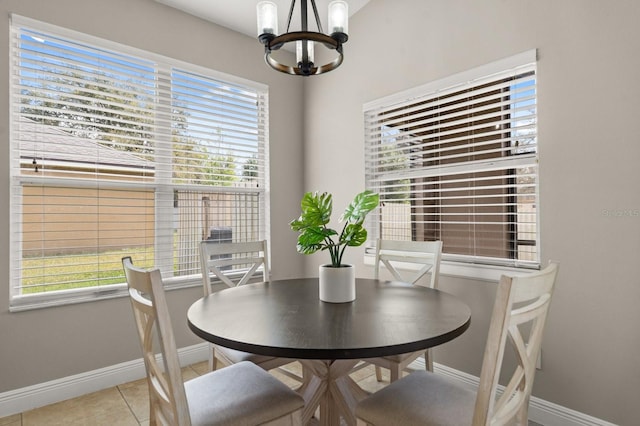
(456, 160)
(121, 152)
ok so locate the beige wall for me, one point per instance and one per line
(47, 344)
(589, 100)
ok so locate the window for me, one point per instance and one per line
(456, 160)
(116, 152)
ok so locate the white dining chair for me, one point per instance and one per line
(407, 261)
(242, 394)
(237, 264)
(425, 398)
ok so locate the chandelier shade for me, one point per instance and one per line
(305, 40)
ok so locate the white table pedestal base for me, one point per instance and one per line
(332, 390)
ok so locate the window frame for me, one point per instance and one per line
(452, 264)
(164, 68)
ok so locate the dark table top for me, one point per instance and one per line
(286, 318)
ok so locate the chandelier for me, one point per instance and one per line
(305, 40)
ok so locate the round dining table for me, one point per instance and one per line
(286, 318)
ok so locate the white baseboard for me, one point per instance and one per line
(20, 400)
(30, 397)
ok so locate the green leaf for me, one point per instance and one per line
(354, 235)
(312, 239)
(316, 209)
(298, 224)
(307, 249)
(361, 205)
(312, 236)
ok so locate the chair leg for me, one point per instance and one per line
(153, 418)
(428, 360)
(378, 374)
(213, 362)
(522, 417)
(395, 372)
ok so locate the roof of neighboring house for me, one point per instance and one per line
(37, 141)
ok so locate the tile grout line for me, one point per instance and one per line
(128, 405)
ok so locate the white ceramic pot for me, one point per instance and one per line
(337, 285)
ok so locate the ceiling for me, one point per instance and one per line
(240, 15)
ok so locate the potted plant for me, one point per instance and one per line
(337, 280)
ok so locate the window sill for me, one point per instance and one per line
(479, 272)
(465, 270)
(72, 297)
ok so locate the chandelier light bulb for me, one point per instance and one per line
(267, 18)
(338, 17)
(305, 63)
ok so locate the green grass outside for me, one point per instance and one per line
(66, 272)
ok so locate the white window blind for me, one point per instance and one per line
(117, 152)
(456, 160)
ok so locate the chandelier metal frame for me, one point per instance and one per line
(304, 67)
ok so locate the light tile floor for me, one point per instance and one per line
(128, 404)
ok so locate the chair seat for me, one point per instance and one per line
(421, 398)
(241, 394)
(234, 356)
